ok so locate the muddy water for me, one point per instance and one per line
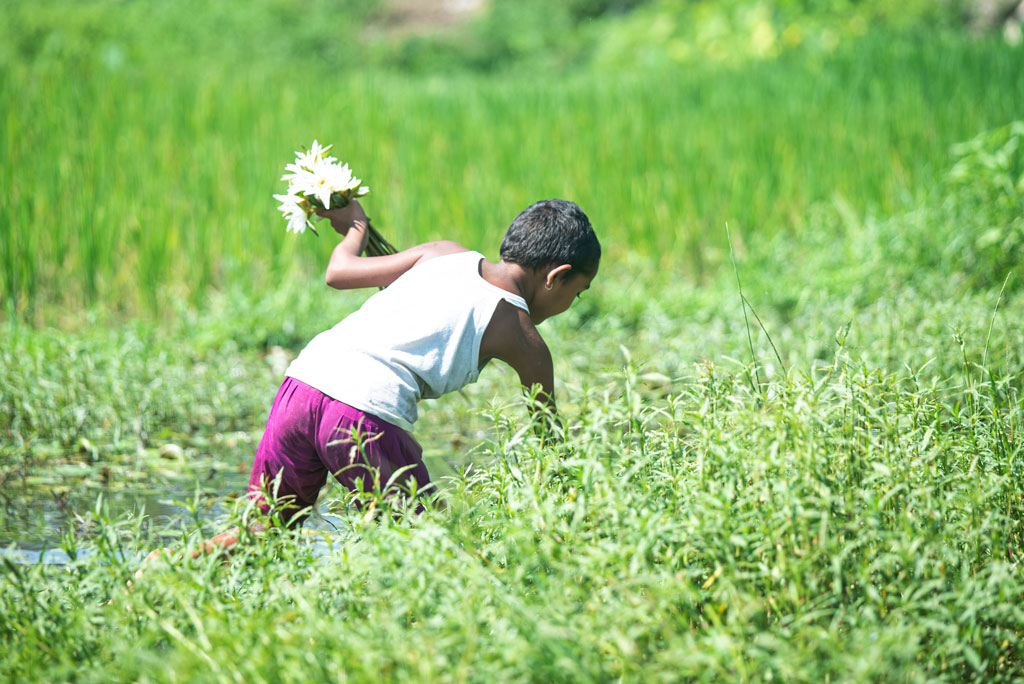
(56, 493)
(40, 506)
(40, 516)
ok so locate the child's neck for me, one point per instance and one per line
(510, 277)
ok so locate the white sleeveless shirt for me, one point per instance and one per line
(419, 338)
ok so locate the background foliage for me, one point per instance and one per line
(142, 145)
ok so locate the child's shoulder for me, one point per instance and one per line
(438, 248)
(512, 337)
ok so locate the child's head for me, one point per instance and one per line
(552, 232)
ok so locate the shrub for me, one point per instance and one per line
(987, 198)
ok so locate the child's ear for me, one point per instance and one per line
(555, 273)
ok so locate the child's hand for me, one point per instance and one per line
(153, 556)
(344, 218)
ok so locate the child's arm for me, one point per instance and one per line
(512, 337)
(348, 270)
(225, 541)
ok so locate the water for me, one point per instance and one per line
(40, 509)
(323, 532)
(35, 518)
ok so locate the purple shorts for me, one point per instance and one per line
(309, 435)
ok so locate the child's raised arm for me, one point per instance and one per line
(348, 270)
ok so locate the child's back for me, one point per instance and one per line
(418, 338)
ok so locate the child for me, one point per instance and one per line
(349, 399)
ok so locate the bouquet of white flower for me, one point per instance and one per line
(316, 182)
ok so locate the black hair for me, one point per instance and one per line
(552, 232)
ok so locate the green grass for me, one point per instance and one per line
(854, 518)
(849, 524)
(842, 504)
(132, 187)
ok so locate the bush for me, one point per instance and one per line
(987, 198)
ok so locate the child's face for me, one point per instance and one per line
(563, 291)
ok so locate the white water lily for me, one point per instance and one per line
(314, 156)
(318, 181)
(317, 152)
(313, 176)
(326, 179)
(293, 212)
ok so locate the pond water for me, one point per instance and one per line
(44, 504)
(35, 520)
(323, 532)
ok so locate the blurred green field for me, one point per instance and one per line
(132, 186)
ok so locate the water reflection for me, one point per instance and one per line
(35, 518)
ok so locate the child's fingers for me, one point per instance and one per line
(222, 542)
(157, 553)
(153, 555)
